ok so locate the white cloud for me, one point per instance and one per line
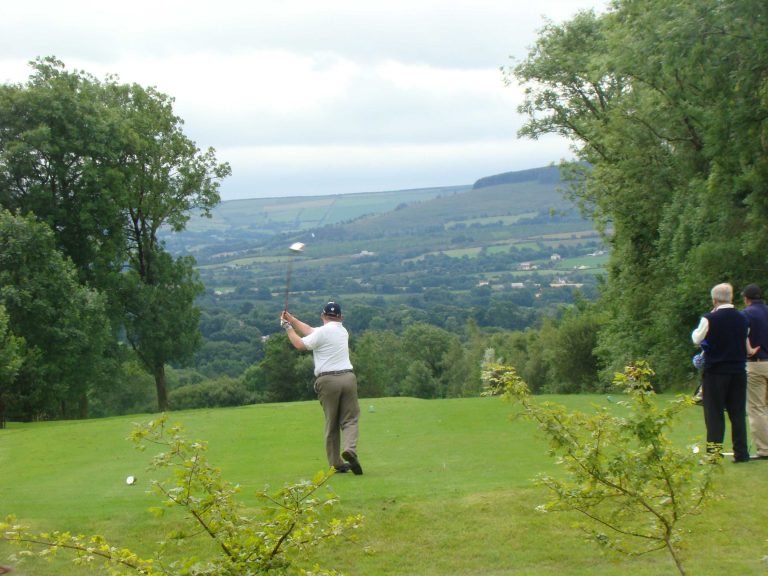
(309, 170)
(303, 96)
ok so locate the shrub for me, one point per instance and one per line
(623, 472)
(293, 522)
(224, 391)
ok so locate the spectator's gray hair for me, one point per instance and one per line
(722, 293)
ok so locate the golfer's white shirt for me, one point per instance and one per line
(330, 349)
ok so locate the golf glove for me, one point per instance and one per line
(285, 325)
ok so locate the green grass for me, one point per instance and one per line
(447, 488)
(591, 262)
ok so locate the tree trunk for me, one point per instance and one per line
(162, 391)
(82, 406)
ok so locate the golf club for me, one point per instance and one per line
(295, 248)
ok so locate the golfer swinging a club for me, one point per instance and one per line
(335, 382)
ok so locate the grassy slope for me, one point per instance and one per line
(499, 201)
(446, 488)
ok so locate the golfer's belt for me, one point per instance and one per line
(334, 372)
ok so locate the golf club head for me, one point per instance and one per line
(297, 247)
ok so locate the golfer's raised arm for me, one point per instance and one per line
(286, 322)
(300, 327)
(295, 339)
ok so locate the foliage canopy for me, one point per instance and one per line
(105, 165)
(667, 102)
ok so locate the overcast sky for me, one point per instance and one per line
(306, 97)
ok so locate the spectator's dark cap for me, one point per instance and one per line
(332, 309)
(753, 292)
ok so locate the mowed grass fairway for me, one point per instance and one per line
(447, 488)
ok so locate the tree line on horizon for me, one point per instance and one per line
(665, 103)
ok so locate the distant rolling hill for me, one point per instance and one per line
(286, 214)
(508, 239)
(529, 192)
(261, 225)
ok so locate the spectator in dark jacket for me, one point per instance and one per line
(724, 381)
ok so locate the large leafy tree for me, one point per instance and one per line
(107, 165)
(161, 319)
(57, 160)
(164, 178)
(62, 324)
(667, 102)
(11, 359)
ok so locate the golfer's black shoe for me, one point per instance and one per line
(342, 468)
(354, 465)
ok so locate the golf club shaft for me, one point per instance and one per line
(288, 284)
(295, 247)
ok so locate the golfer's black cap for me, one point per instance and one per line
(753, 292)
(332, 309)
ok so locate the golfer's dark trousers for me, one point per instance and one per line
(726, 392)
